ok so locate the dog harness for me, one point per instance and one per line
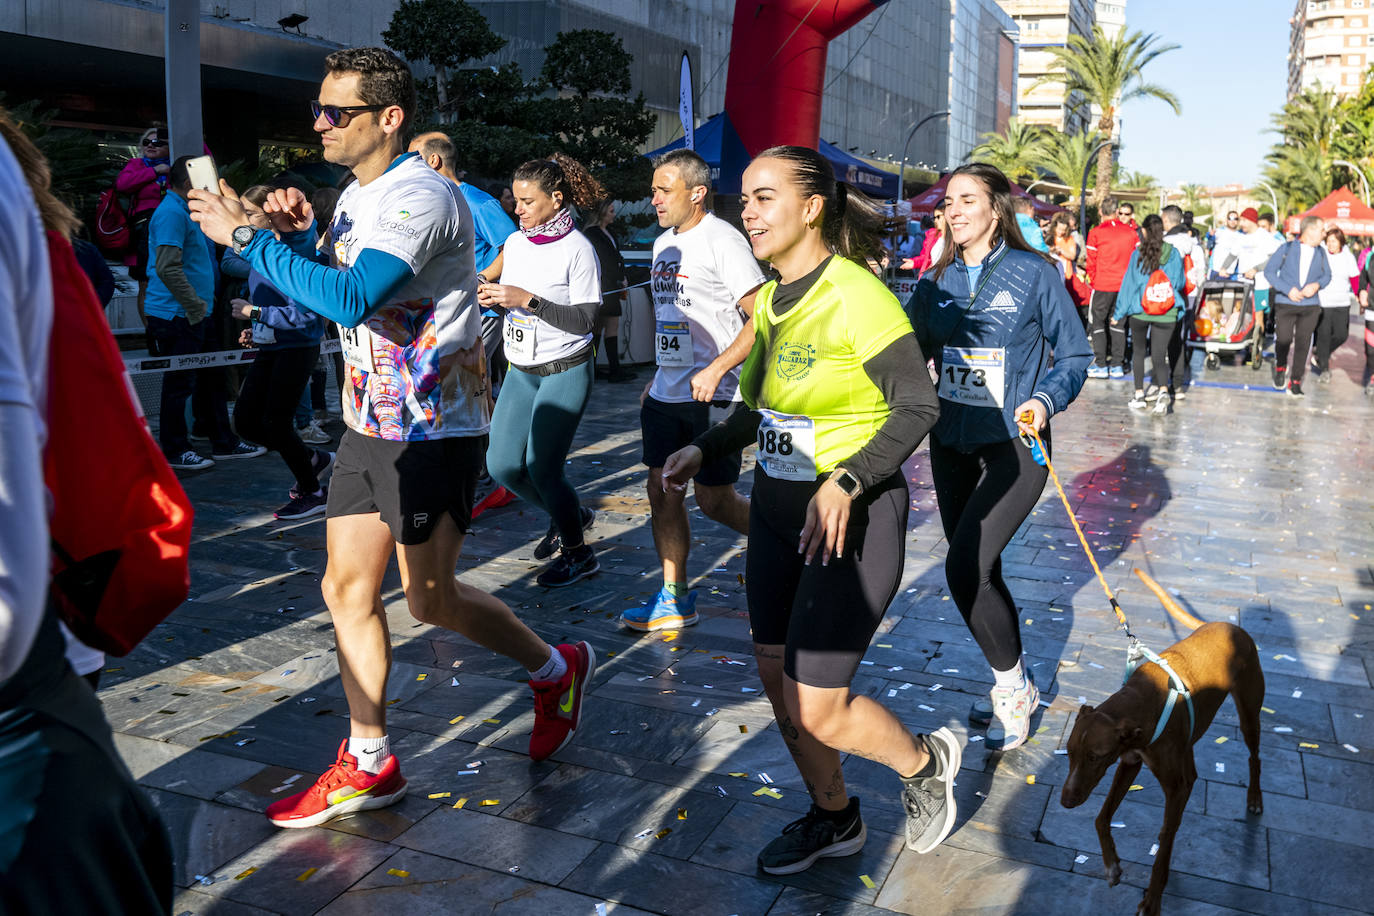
(1177, 688)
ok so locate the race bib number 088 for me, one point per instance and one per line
(787, 446)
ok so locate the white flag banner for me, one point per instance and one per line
(684, 102)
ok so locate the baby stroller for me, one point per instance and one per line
(1223, 321)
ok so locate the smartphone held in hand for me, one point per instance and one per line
(203, 174)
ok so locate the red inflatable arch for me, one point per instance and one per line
(773, 93)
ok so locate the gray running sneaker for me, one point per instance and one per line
(929, 801)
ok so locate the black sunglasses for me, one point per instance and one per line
(339, 115)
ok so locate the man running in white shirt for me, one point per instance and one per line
(703, 280)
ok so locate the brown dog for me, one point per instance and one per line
(1216, 659)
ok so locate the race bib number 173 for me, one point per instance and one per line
(975, 376)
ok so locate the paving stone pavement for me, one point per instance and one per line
(1247, 504)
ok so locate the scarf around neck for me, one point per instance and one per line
(551, 231)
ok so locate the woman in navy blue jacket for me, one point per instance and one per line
(287, 336)
(992, 312)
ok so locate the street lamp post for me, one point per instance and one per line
(1273, 199)
(1037, 181)
(901, 174)
(1083, 186)
(1364, 182)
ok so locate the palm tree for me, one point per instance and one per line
(1015, 151)
(1128, 179)
(1192, 196)
(1313, 131)
(1106, 72)
(1066, 156)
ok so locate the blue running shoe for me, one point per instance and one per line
(1116, 373)
(668, 612)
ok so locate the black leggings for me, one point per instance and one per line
(1293, 327)
(1160, 335)
(984, 497)
(1333, 328)
(823, 616)
(266, 408)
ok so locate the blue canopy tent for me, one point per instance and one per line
(719, 144)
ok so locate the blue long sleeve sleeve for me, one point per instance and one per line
(348, 297)
(1132, 286)
(1072, 353)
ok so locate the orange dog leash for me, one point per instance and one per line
(1138, 650)
(1032, 440)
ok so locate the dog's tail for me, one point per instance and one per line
(1170, 605)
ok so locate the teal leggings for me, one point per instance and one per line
(531, 432)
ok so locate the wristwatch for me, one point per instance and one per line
(849, 484)
(242, 237)
(255, 313)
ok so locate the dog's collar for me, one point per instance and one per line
(1177, 688)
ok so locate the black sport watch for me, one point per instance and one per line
(849, 484)
(242, 237)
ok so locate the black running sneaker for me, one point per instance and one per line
(929, 800)
(552, 542)
(304, 506)
(571, 566)
(1280, 378)
(1295, 389)
(813, 837)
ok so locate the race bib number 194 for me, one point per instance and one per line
(673, 345)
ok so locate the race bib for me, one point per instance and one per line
(519, 336)
(356, 345)
(787, 446)
(673, 345)
(975, 376)
(262, 334)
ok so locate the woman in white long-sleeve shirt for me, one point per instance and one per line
(1336, 297)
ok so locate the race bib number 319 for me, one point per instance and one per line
(519, 334)
(975, 376)
(787, 446)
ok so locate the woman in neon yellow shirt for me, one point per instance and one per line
(836, 397)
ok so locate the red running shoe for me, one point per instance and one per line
(493, 500)
(342, 790)
(558, 704)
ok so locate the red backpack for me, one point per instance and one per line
(1158, 297)
(1189, 284)
(112, 231)
(120, 522)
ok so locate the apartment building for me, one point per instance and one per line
(1044, 25)
(1331, 44)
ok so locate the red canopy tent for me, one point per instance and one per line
(923, 204)
(1340, 208)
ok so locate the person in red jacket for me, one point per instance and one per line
(144, 179)
(1110, 244)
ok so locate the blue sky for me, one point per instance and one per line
(1229, 75)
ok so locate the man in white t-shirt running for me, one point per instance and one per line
(403, 288)
(703, 281)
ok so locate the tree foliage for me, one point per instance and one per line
(1017, 151)
(1316, 128)
(577, 104)
(443, 34)
(1066, 155)
(1106, 71)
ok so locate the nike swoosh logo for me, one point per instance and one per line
(567, 704)
(334, 797)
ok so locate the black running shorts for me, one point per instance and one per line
(411, 484)
(669, 427)
(823, 616)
